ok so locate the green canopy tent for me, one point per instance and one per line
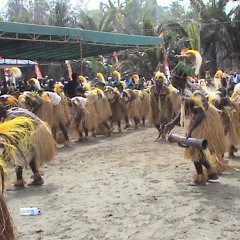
(48, 43)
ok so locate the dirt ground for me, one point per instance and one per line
(127, 186)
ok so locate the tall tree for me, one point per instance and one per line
(60, 15)
(39, 11)
(17, 11)
(217, 33)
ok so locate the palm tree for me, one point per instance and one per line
(217, 37)
(176, 38)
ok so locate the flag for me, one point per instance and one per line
(67, 62)
(161, 35)
(37, 71)
(6, 73)
(115, 55)
(165, 60)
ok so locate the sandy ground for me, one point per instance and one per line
(127, 186)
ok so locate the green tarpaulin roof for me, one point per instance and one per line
(47, 43)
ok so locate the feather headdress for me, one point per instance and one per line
(85, 83)
(82, 78)
(196, 97)
(160, 76)
(197, 58)
(101, 77)
(123, 84)
(213, 98)
(58, 88)
(11, 100)
(218, 74)
(172, 89)
(16, 72)
(36, 83)
(117, 74)
(135, 78)
(182, 70)
(99, 92)
(46, 97)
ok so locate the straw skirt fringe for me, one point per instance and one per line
(43, 144)
(62, 113)
(45, 113)
(134, 108)
(211, 129)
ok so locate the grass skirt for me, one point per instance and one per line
(145, 106)
(62, 113)
(134, 108)
(43, 144)
(45, 113)
(234, 129)
(161, 110)
(91, 118)
(211, 129)
(218, 163)
(7, 230)
(103, 109)
(176, 102)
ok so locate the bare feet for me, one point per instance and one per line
(213, 176)
(16, 187)
(67, 143)
(196, 183)
(36, 182)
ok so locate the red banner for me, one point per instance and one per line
(161, 36)
(37, 71)
(69, 67)
(115, 55)
(165, 60)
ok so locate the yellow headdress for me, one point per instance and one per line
(214, 97)
(21, 98)
(16, 72)
(58, 88)
(172, 89)
(135, 78)
(10, 100)
(160, 76)
(36, 83)
(99, 92)
(236, 91)
(149, 82)
(82, 78)
(46, 97)
(123, 84)
(117, 74)
(197, 58)
(101, 77)
(33, 80)
(85, 83)
(202, 84)
(218, 74)
(196, 97)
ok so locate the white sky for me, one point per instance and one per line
(94, 4)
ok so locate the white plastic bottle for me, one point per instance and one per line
(30, 211)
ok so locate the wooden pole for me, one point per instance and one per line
(81, 59)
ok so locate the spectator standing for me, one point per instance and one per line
(72, 85)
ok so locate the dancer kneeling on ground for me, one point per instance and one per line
(39, 147)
